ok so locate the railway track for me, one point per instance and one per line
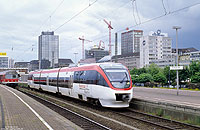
(83, 122)
(113, 118)
(157, 121)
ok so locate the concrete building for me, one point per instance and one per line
(48, 48)
(21, 64)
(156, 48)
(195, 56)
(63, 63)
(11, 63)
(33, 65)
(186, 55)
(3, 61)
(131, 60)
(184, 59)
(96, 53)
(182, 51)
(87, 61)
(130, 41)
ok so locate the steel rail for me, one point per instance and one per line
(83, 122)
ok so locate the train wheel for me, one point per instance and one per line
(40, 89)
(58, 94)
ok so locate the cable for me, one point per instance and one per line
(164, 7)
(168, 6)
(100, 19)
(41, 25)
(153, 19)
(137, 12)
(75, 15)
(134, 12)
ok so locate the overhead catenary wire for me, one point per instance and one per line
(50, 16)
(42, 24)
(100, 19)
(155, 18)
(168, 6)
(75, 15)
(137, 12)
(164, 7)
(134, 12)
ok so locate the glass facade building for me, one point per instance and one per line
(48, 45)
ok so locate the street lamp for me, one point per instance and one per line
(176, 27)
(75, 56)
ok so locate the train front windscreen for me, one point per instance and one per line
(118, 75)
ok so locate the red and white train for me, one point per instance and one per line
(9, 77)
(109, 84)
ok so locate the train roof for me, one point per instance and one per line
(76, 68)
(4, 72)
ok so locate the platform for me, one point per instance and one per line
(20, 112)
(186, 100)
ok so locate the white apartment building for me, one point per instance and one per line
(3, 61)
(156, 48)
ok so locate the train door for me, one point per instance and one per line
(40, 80)
(71, 78)
(70, 83)
(47, 80)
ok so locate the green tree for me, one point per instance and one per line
(169, 74)
(134, 71)
(141, 71)
(196, 78)
(194, 67)
(134, 78)
(153, 69)
(184, 74)
(160, 78)
(145, 77)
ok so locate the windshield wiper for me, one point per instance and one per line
(124, 78)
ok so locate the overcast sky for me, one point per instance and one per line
(21, 22)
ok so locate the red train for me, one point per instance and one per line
(107, 83)
(9, 77)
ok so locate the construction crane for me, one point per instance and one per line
(83, 45)
(110, 27)
(100, 46)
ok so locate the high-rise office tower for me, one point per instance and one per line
(130, 41)
(48, 48)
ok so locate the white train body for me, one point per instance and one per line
(110, 84)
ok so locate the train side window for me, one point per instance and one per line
(82, 76)
(43, 80)
(90, 77)
(36, 80)
(76, 76)
(63, 82)
(101, 81)
(14, 76)
(53, 81)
